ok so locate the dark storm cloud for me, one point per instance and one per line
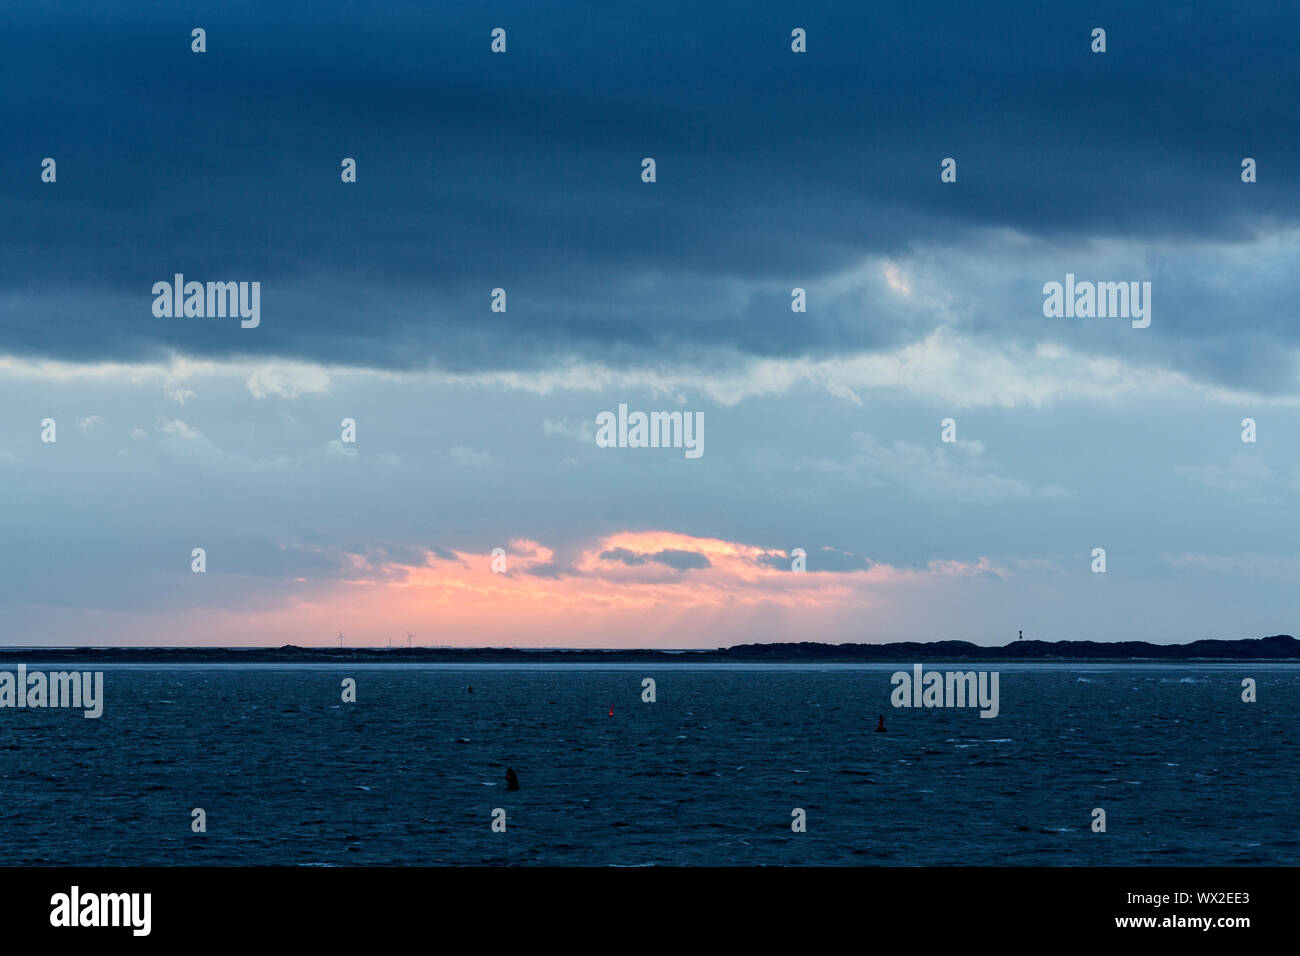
(522, 170)
(680, 560)
(675, 558)
(552, 570)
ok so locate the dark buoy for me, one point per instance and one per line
(512, 782)
(470, 689)
(880, 725)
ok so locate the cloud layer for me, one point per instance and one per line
(776, 171)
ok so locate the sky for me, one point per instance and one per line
(476, 429)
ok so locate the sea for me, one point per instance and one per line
(713, 771)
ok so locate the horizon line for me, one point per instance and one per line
(624, 650)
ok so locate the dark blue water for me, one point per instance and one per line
(709, 774)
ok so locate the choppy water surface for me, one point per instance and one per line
(709, 774)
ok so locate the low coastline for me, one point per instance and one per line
(1278, 648)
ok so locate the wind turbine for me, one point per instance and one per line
(340, 639)
(409, 635)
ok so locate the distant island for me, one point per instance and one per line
(1281, 647)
